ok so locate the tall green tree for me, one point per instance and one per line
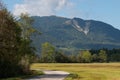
(15, 48)
(26, 49)
(26, 23)
(95, 58)
(102, 56)
(85, 56)
(10, 40)
(60, 57)
(73, 58)
(48, 53)
(79, 58)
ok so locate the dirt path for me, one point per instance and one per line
(51, 75)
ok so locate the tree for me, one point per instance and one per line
(26, 50)
(60, 57)
(95, 58)
(48, 53)
(73, 58)
(10, 33)
(79, 58)
(102, 56)
(85, 56)
(25, 23)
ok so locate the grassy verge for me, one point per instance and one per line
(34, 73)
(93, 71)
(72, 76)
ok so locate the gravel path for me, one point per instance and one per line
(51, 75)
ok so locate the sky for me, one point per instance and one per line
(102, 10)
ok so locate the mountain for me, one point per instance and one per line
(74, 34)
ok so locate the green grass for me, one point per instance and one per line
(94, 71)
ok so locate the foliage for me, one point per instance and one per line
(48, 53)
(53, 55)
(95, 58)
(85, 56)
(102, 56)
(25, 23)
(15, 48)
(74, 58)
(72, 76)
(60, 57)
(9, 44)
(26, 50)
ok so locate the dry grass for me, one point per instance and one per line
(94, 71)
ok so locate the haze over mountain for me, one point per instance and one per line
(76, 33)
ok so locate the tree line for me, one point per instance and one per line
(50, 54)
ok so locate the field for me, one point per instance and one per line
(94, 71)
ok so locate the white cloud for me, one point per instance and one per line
(41, 7)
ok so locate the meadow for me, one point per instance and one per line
(86, 71)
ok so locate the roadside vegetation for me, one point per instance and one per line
(16, 52)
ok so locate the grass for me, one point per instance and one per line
(93, 71)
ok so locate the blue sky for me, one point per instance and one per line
(10, 3)
(103, 10)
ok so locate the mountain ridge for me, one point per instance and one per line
(75, 33)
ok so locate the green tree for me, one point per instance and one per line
(95, 58)
(84, 56)
(26, 50)
(102, 56)
(60, 57)
(25, 23)
(48, 53)
(16, 51)
(10, 33)
(73, 58)
(79, 58)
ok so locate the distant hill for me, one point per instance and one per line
(74, 34)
